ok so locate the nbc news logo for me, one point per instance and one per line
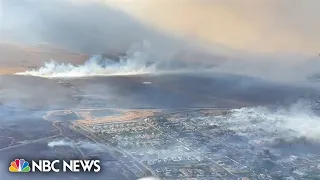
(21, 165)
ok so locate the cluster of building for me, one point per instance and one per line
(121, 127)
(197, 146)
(193, 172)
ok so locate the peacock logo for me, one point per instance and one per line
(19, 165)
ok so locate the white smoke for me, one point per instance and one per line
(82, 144)
(96, 147)
(140, 58)
(149, 178)
(262, 124)
(62, 142)
(91, 67)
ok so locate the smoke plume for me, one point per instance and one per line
(233, 34)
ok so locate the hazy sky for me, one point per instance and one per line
(251, 25)
(259, 25)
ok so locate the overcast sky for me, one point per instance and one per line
(255, 25)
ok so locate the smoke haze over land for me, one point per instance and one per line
(264, 26)
(233, 34)
(255, 26)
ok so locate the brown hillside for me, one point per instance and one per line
(17, 58)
